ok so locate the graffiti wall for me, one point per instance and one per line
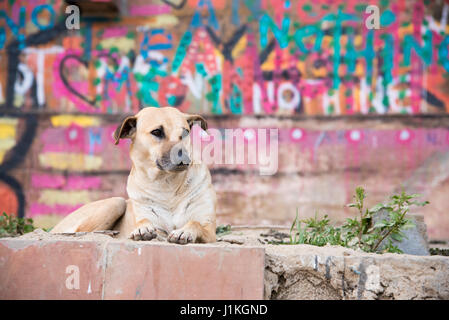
(228, 57)
(63, 91)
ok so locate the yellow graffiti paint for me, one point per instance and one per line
(359, 70)
(123, 43)
(7, 131)
(159, 21)
(52, 197)
(327, 41)
(67, 120)
(6, 144)
(358, 41)
(356, 96)
(19, 100)
(219, 57)
(320, 72)
(403, 30)
(240, 47)
(70, 161)
(10, 121)
(163, 21)
(7, 135)
(268, 65)
(8, 128)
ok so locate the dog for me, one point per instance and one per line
(169, 195)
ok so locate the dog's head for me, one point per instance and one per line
(160, 137)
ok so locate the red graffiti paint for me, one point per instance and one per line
(172, 92)
(9, 202)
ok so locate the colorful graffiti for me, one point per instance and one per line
(62, 92)
(62, 163)
(228, 57)
(73, 161)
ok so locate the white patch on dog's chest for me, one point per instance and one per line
(167, 208)
(164, 219)
(180, 219)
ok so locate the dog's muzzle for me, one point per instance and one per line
(176, 160)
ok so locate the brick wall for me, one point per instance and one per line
(354, 106)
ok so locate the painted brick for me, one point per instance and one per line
(32, 269)
(165, 271)
(37, 270)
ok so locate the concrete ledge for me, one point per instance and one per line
(307, 272)
(333, 272)
(112, 269)
(241, 265)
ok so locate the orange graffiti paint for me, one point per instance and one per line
(8, 200)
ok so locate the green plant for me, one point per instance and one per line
(222, 230)
(11, 226)
(360, 232)
(315, 232)
(387, 230)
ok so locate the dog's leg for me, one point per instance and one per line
(135, 226)
(201, 226)
(94, 216)
(193, 231)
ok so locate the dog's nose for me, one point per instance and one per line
(181, 156)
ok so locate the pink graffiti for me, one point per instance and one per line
(59, 209)
(47, 181)
(77, 139)
(115, 32)
(43, 181)
(82, 183)
(148, 10)
(404, 136)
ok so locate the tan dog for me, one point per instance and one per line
(168, 193)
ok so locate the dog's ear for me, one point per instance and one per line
(194, 118)
(126, 129)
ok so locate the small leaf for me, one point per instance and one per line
(377, 208)
(396, 237)
(409, 224)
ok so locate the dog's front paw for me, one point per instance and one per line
(143, 233)
(181, 236)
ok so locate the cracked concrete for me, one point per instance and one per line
(308, 272)
(332, 272)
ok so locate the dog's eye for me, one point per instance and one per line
(157, 133)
